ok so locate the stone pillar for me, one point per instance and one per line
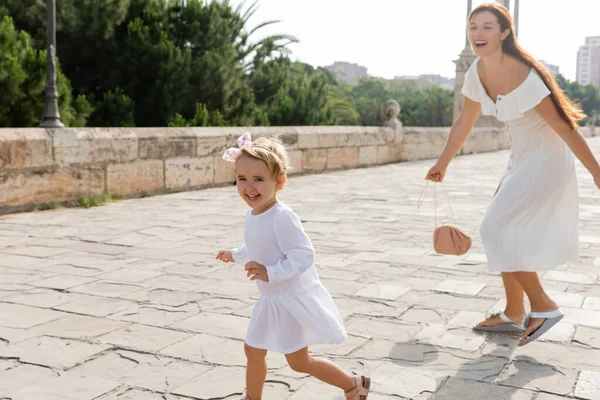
(505, 3)
(463, 64)
(391, 112)
(516, 18)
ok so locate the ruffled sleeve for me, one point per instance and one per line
(470, 88)
(531, 93)
(524, 98)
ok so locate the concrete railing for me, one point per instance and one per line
(39, 166)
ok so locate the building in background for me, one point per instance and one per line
(348, 72)
(553, 69)
(588, 62)
(428, 80)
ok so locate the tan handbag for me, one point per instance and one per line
(447, 239)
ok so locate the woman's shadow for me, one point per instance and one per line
(490, 373)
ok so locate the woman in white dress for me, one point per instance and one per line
(294, 310)
(531, 224)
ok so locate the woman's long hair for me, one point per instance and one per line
(568, 110)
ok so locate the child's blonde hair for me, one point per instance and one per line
(272, 152)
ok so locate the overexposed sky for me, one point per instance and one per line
(413, 37)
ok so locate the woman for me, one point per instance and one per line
(531, 224)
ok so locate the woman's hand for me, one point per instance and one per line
(436, 173)
(597, 180)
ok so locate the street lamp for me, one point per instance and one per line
(51, 117)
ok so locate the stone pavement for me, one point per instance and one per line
(126, 301)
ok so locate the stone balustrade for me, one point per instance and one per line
(39, 166)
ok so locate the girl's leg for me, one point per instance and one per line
(323, 370)
(539, 299)
(515, 308)
(256, 371)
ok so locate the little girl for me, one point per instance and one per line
(294, 310)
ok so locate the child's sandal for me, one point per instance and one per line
(361, 391)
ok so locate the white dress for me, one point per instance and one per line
(294, 309)
(532, 222)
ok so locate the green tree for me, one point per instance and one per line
(115, 109)
(22, 83)
(587, 96)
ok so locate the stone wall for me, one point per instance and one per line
(39, 166)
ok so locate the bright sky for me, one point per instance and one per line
(413, 37)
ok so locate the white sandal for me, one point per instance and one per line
(361, 391)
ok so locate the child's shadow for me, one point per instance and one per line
(464, 375)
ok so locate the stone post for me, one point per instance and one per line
(51, 117)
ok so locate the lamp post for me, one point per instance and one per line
(51, 117)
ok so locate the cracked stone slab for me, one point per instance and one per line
(561, 332)
(67, 388)
(146, 371)
(571, 277)
(382, 291)
(469, 390)
(96, 306)
(381, 328)
(24, 262)
(53, 352)
(402, 381)
(37, 251)
(188, 283)
(348, 306)
(209, 349)
(23, 376)
(578, 316)
(574, 357)
(434, 300)
(351, 344)
(163, 296)
(588, 385)
(592, 303)
(425, 315)
(107, 289)
(142, 337)
(135, 394)
(19, 316)
(459, 287)
(439, 362)
(43, 298)
(216, 324)
(157, 315)
(62, 282)
(79, 327)
(217, 383)
(527, 373)
(129, 275)
(14, 335)
(584, 335)
(100, 248)
(459, 338)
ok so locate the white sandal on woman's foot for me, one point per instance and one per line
(506, 326)
(361, 391)
(551, 318)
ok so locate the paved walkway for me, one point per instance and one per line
(127, 302)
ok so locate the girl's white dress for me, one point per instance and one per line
(294, 309)
(532, 222)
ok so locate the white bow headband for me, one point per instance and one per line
(231, 154)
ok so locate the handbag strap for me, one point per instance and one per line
(424, 194)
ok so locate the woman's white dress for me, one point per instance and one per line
(532, 222)
(294, 309)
